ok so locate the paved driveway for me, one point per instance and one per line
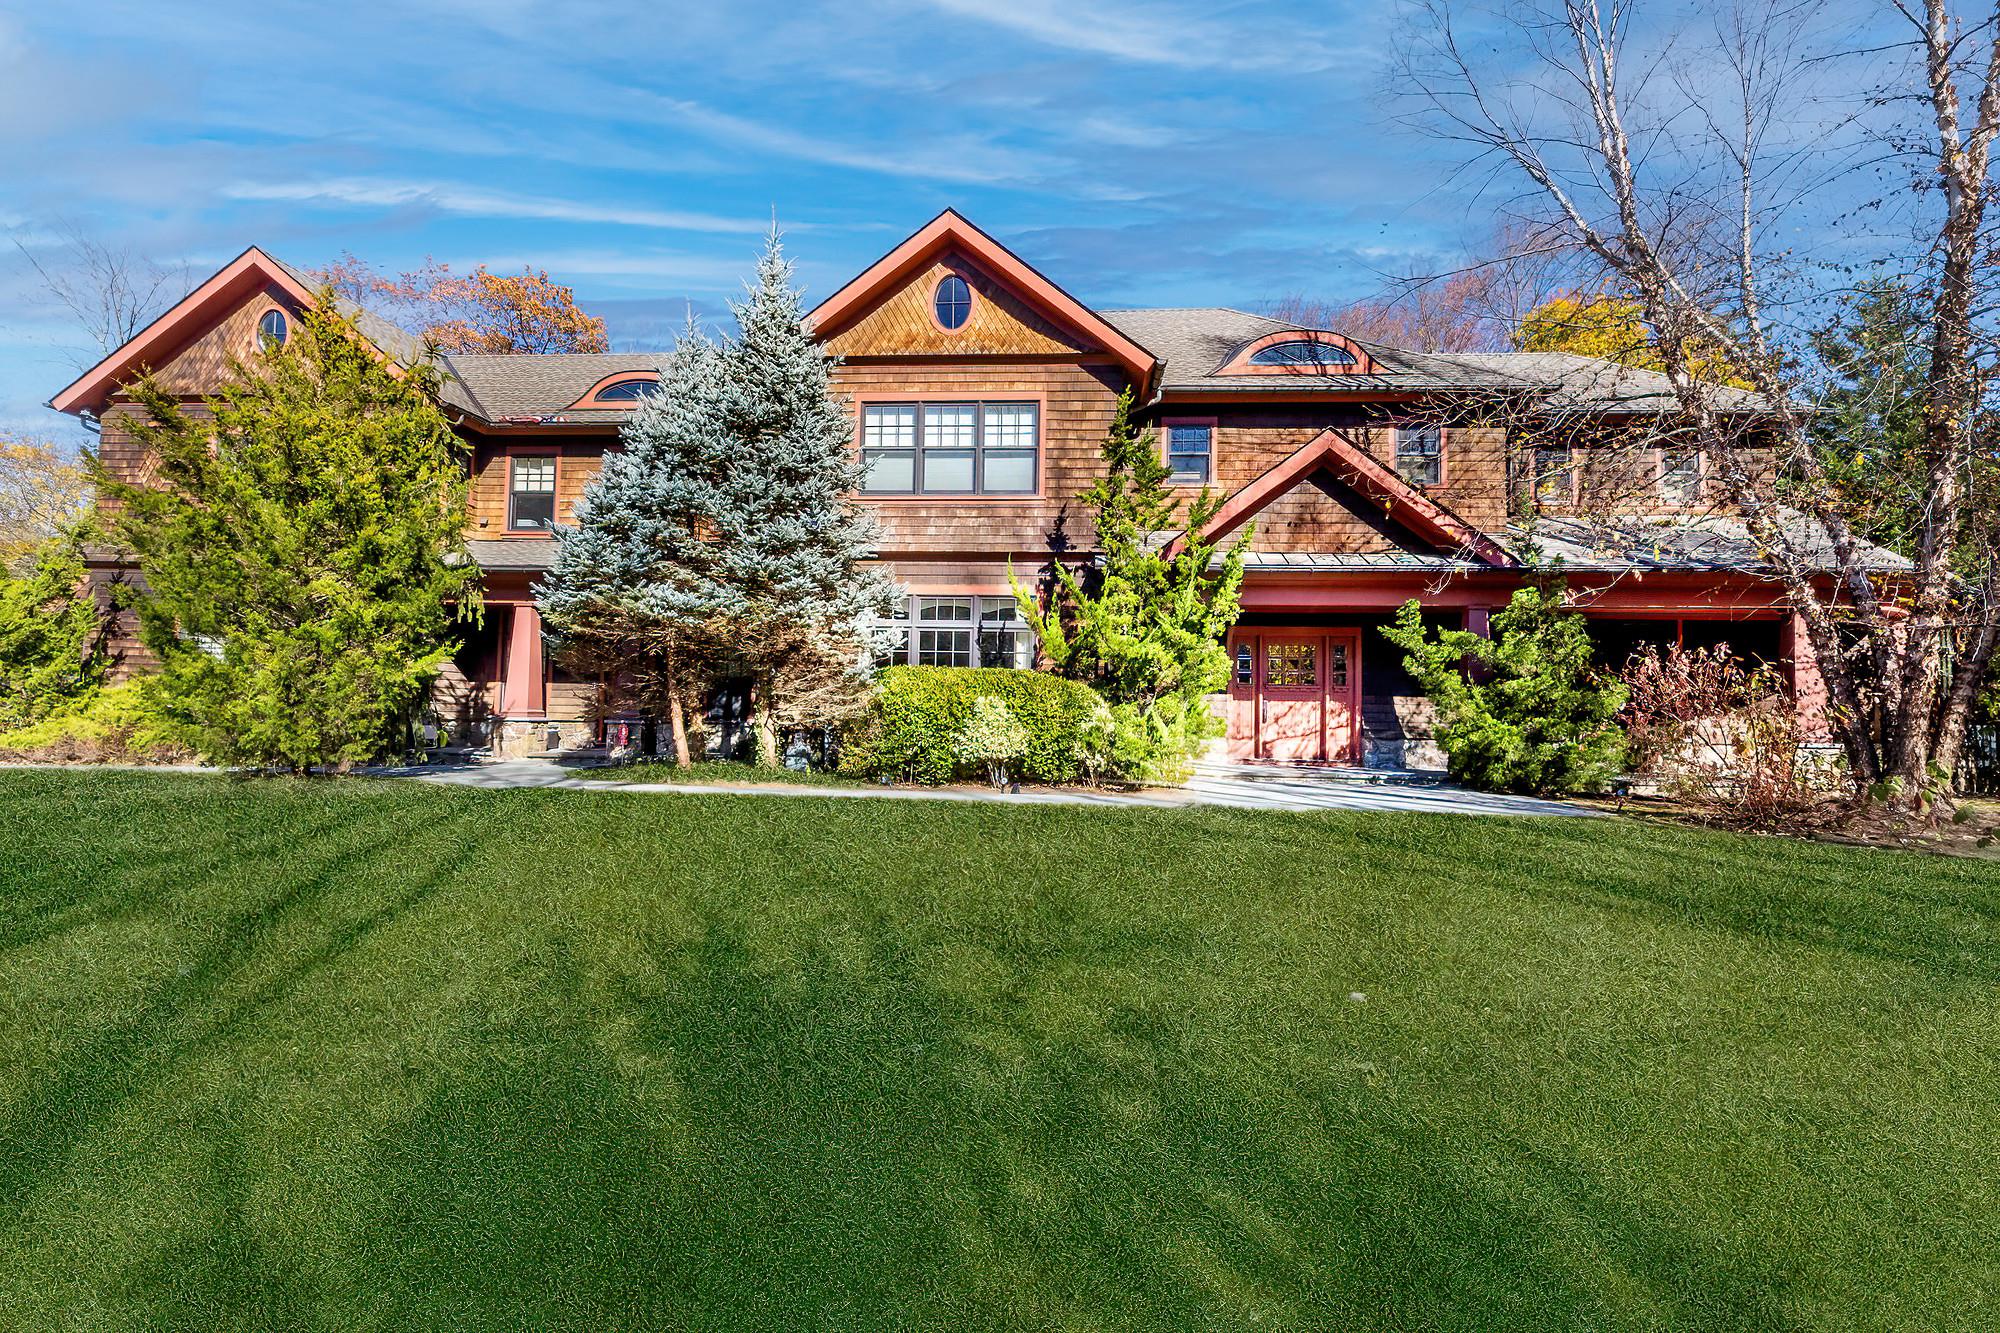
(1246, 786)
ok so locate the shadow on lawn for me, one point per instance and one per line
(177, 1021)
(1860, 903)
(835, 1143)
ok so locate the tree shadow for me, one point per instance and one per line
(727, 1140)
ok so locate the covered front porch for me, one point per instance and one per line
(1314, 682)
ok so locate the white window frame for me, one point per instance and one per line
(990, 616)
(514, 491)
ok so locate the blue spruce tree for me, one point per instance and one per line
(634, 590)
(791, 543)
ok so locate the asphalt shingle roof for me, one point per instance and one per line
(496, 386)
(1196, 342)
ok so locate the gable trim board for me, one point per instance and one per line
(950, 231)
(152, 346)
(1401, 502)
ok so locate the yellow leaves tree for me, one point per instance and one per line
(43, 489)
(1613, 328)
(480, 311)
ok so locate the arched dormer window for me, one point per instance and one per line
(1300, 352)
(626, 391)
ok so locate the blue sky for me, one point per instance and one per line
(1166, 154)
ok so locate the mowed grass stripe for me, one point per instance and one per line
(370, 1055)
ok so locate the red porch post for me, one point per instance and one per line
(1479, 620)
(521, 670)
(1808, 686)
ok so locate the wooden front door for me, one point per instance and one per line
(1295, 696)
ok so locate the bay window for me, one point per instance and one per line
(950, 448)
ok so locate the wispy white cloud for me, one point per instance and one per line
(961, 158)
(468, 201)
(1183, 39)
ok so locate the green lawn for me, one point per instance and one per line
(354, 1056)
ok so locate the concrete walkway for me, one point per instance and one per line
(1245, 786)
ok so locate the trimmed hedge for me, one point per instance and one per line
(912, 725)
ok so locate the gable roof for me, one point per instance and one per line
(1401, 502)
(193, 313)
(947, 231)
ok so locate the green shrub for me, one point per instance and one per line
(914, 723)
(119, 724)
(1523, 710)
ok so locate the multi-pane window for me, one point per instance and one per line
(1680, 476)
(958, 631)
(531, 492)
(1189, 448)
(1555, 474)
(1291, 665)
(950, 448)
(944, 631)
(1420, 454)
(1004, 639)
(1304, 353)
(952, 301)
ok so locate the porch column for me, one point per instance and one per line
(521, 665)
(1479, 620)
(1808, 686)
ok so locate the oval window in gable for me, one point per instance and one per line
(952, 301)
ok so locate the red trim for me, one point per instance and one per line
(615, 377)
(1403, 502)
(238, 278)
(949, 230)
(1239, 363)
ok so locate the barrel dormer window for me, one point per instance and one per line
(627, 391)
(1299, 352)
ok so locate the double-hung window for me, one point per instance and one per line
(1420, 454)
(531, 492)
(1190, 451)
(950, 448)
(958, 632)
(1555, 474)
(1680, 476)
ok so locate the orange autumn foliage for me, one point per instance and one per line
(480, 311)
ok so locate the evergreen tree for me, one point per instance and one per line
(790, 540)
(1522, 709)
(302, 555)
(1869, 429)
(636, 588)
(51, 635)
(1146, 625)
